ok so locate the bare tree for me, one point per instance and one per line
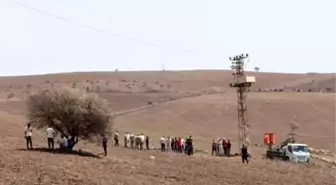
(76, 114)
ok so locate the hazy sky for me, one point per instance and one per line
(280, 36)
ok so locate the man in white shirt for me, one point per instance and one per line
(163, 143)
(168, 143)
(28, 135)
(126, 139)
(183, 145)
(116, 138)
(142, 140)
(50, 137)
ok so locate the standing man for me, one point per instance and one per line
(126, 139)
(189, 146)
(105, 145)
(163, 143)
(147, 142)
(229, 148)
(179, 145)
(142, 140)
(173, 144)
(168, 143)
(116, 138)
(28, 135)
(132, 139)
(214, 147)
(244, 154)
(225, 145)
(50, 137)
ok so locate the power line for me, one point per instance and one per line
(97, 29)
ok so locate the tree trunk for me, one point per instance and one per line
(72, 142)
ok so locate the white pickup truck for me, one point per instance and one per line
(292, 151)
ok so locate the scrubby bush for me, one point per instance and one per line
(328, 89)
(11, 95)
(76, 114)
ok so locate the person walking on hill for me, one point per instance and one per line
(104, 142)
(214, 147)
(116, 138)
(163, 143)
(244, 154)
(28, 135)
(51, 137)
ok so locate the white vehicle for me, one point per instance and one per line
(297, 152)
(289, 150)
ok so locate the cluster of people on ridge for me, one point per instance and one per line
(221, 147)
(179, 145)
(135, 141)
(140, 141)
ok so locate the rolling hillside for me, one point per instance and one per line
(172, 103)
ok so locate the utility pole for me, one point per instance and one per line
(163, 67)
(242, 83)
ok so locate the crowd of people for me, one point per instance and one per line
(140, 141)
(177, 144)
(221, 147)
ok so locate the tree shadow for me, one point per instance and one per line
(58, 151)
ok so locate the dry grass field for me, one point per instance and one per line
(175, 103)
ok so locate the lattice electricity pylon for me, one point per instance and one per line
(242, 83)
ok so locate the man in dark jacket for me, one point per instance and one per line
(229, 148)
(244, 154)
(189, 145)
(173, 145)
(105, 145)
(147, 142)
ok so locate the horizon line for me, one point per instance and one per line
(154, 70)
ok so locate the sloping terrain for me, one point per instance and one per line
(128, 90)
(213, 116)
(324, 85)
(126, 166)
(197, 103)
